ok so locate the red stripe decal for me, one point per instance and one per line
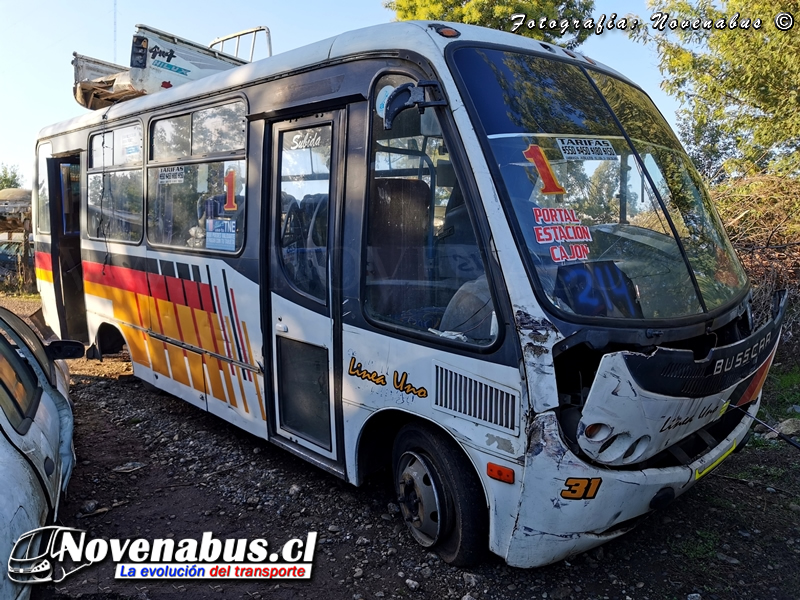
(192, 294)
(239, 328)
(43, 260)
(158, 287)
(119, 277)
(221, 317)
(205, 296)
(175, 289)
(758, 380)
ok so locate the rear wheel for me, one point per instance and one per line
(440, 496)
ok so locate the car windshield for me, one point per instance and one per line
(616, 221)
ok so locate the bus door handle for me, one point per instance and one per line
(281, 327)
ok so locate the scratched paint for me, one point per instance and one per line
(500, 443)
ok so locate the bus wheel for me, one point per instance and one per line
(440, 496)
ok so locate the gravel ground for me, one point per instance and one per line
(735, 535)
(22, 306)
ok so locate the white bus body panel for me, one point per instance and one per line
(216, 363)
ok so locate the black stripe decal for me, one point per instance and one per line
(230, 312)
(183, 271)
(152, 266)
(167, 268)
(213, 302)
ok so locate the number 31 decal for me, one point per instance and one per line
(579, 488)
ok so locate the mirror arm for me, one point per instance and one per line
(416, 98)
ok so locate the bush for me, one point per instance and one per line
(762, 216)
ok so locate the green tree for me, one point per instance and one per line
(741, 86)
(707, 143)
(9, 177)
(496, 14)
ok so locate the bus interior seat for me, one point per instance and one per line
(458, 259)
(213, 207)
(315, 209)
(470, 310)
(399, 234)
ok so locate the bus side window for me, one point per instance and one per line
(115, 197)
(198, 205)
(424, 269)
(43, 212)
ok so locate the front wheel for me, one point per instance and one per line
(440, 496)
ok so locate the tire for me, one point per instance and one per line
(440, 496)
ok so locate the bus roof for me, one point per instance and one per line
(416, 35)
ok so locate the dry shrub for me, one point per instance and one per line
(762, 216)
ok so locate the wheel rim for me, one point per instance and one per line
(419, 498)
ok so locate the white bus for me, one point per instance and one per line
(482, 261)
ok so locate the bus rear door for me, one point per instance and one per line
(57, 243)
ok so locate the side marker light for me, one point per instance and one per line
(445, 31)
(500, 473)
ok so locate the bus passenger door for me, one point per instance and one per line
(304, 193)
(58, 246)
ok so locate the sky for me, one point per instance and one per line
(39, 38)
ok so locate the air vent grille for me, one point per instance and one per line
(477, 399)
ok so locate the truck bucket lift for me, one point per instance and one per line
(159, 60)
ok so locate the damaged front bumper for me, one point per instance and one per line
(568, 506)
(651, 426)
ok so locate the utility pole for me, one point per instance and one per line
(115, 31)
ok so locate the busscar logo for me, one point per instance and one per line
(50, 554)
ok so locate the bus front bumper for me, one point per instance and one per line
(567, 506)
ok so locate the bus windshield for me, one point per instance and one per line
(616, 221)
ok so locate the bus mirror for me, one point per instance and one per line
(409, 95)
(63, 349)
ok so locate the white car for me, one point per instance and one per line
(36, 454)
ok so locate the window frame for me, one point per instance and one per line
(568, 323)
(224, 156)
(453, 142)
(103, 170)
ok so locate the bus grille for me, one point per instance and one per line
(477, 399)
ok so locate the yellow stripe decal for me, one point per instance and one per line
(698, 474)
(255, 375)
(44, 275)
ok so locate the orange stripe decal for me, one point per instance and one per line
(186, 324)
(752, 391)
(176, 355)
